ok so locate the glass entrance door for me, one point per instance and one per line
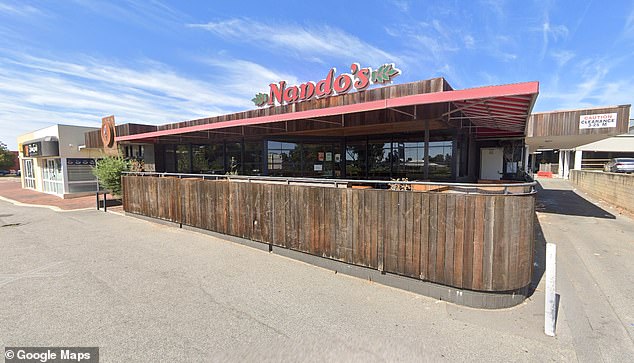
(29, 175)
(53, 182)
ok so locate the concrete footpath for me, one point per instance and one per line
(146, 292)
(595, 256)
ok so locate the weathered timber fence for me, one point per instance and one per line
(481, 242)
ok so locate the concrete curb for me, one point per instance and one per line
(51, 207)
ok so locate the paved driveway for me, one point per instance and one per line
(146, 292)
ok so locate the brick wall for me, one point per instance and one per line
(617, 189)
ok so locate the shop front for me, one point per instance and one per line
(416, 180)
(53, 161)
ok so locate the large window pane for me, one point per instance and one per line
(284, 159)
(208, 159)
(234, 157)
(355, 159)
(440, 154)
(183, 159)
(380, 157)
(252, 164)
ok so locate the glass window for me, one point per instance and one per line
(252, 164)
(409, 160)
(380, 158)
(355, 159)
(234, 157)
(183, 159)
(440, 155)
(170, 159)
(208, 159)
(283, 159)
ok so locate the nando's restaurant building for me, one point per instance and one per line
(417, 185)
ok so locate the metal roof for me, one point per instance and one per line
(493, 109)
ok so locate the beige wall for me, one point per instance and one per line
(614, 188)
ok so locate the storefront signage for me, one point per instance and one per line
(358, 78)
(597, 121)
(107, 131)
(32, 149)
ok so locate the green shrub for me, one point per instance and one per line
(108, 172)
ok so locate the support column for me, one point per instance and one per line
(426, 168)
(578, 158)
(560, 166)
(566, 164)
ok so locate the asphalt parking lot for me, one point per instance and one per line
(142, 291)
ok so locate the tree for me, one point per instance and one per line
(7, 158)
(108, 172)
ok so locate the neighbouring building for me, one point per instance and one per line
(55, 160)
(582, 139)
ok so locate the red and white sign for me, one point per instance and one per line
(597, 121)
(358, 78)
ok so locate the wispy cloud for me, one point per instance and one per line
(150, 14)
(562, 56)
(550, 31)
(401, 5)
(40, 91)
(304, 42)
(628, 30)
(18, 9)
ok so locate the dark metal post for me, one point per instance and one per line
(97, 200)
(426, 167)
(105, 202)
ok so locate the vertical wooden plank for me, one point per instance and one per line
(440, 239)
(370, 227)
(348, 206)
(459, 240)
(480, 213)
(380, 230)
(449, 238)
(489, 236)
(408, 240)
(391, 257)
(424, 235)
(469, 241)
(278, 225)
(502, 241)
(512, 235)
(433, 236)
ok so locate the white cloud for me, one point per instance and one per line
(36, 91)
(401, 5)
(18, 10)
(562, 57)
(628, 30)
(303, 42)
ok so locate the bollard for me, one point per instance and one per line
(97, 200)
(550, 314)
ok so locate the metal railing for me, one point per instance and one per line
(519, 188)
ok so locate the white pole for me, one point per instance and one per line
(550, 315)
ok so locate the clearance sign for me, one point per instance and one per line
(597, 121)
(358, 78)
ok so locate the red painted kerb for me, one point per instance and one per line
(492, 92)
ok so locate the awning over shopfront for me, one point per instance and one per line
(45, 146)
(494, 111)
(621, 143)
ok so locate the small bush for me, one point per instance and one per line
(108, 172)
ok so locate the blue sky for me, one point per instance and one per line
(75, 61)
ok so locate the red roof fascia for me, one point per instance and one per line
(425, 98)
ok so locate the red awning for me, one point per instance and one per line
(505, 108)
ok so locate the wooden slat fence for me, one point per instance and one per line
(470, 241)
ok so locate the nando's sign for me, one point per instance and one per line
(358, 78)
